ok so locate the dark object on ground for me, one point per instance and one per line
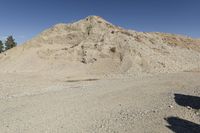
(187, 100)
(179, 125)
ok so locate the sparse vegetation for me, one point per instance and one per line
(121, 56)
(179, 41)
(99, 78)
(102, 40)
(113, 49)
(152, 40)
(99, 22)
(84, 61)
(126, 33)
(10, 43)
(138, 38)
(89, 28)
(1, 46)
(64, 48)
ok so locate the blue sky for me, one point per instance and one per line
(26, 18)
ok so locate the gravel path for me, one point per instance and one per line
(37, 104)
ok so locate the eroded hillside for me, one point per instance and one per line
(95, 46)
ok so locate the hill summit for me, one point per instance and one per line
(95, 46)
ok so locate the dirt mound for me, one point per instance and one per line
(95, 46)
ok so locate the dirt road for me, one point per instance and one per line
(149, 104)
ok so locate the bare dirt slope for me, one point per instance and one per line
(93, 77)
(95, 46)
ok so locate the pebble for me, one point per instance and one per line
(188, 107)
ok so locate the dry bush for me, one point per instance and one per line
(138, 38)
(113, 49)
(183, 42)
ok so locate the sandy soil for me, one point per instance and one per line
(31, 103)
(91, 76)
(95, 46)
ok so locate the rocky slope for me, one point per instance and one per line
(95, 46)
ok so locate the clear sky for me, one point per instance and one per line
(26, 18)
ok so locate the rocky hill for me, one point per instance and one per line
(95, 46)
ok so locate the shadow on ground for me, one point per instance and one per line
(179, 125)
(187, 100)
(80, 80)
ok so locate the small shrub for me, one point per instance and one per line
(99, 22)
(64, 48)
(1, 46)
(102, 40)
(152, 40)
(126, 33)
(95, 45)
(113, 49)
(84, 61)
(138, 38)
(89, 28)
(82, 47)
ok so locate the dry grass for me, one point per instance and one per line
(180, 41)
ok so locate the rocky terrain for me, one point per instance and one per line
(95, 46)
(94, 77)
